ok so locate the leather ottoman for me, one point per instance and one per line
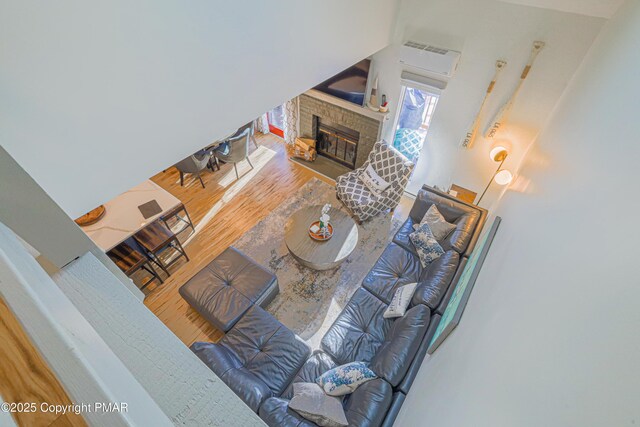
(227, 287)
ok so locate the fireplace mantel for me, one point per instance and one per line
(367, 112)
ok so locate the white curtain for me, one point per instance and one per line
(262, 124)
(291, 121)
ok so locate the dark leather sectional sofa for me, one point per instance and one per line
(260, 358)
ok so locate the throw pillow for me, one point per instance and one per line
(426, 245)
(372, 180)
(400, 302)
(314, 405)
(345, 379)
(439, 226)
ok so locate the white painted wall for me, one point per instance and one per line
(550, 334)
(484, 31)
(96, 97)
(86, 367)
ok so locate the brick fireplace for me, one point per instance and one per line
(345, 134)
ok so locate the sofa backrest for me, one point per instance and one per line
(468, 218)
(436, 280)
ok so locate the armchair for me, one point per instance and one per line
(392, 166)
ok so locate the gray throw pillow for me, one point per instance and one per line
(439, 226)
(426, 245)
(314, 405)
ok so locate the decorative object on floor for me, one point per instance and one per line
(471, 135)
(391, 166)
(426, 245)
(91, 217)
(501, 176)
(320, 253)
(313, 404)
(400, 301)
(462, 193)
(463, 287)
(373, 98)
(309, 300)
(304, 148)
(345, 379)
(437, 223)
(503, 113)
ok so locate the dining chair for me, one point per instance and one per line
(130, 260)
(194, 164)
(235, 150)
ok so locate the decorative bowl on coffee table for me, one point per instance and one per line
(320, 237)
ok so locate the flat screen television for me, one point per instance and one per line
(350, 85)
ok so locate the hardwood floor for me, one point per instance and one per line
(222, 212)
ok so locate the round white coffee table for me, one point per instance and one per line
(320, 255)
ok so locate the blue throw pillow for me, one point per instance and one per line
(426, 245)
(345, 379)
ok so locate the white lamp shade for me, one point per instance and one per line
(503, 177)
(498, 153)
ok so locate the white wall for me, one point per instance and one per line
(484, 31)
(96, 97)
(550, 334)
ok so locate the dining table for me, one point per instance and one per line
(123, 217)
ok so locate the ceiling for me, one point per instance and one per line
(599, 8)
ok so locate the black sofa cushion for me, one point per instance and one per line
(436, 279)
(225, 288)
(361, 334)
(393, 358)
(365, 407)
(359, 330)
(467, 218)
(257, 358)
(396, 267)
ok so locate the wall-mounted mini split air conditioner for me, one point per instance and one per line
(429, 58)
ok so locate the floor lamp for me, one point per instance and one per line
(500, 176)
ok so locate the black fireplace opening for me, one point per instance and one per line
(337, 142)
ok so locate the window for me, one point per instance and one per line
(276, 121)
(416, 109)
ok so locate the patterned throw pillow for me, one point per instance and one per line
(400, 302)
(439, 226)
(426, 244)
(372, 180)
(314, 405)
(345, 379)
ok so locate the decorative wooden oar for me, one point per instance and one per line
(470, 137)
(503, 114)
